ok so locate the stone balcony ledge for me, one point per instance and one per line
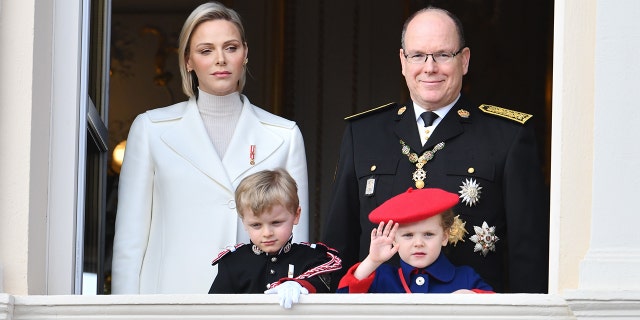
(574, 305)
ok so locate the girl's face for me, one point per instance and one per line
(217, 56)
(272, 229)
(419, 243)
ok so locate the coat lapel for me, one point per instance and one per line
(249, 131)
(190, 140)
(407, 130)
(449, 127)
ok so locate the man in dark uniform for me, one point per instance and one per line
(486, 154)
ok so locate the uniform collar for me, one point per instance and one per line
(286, 248)
(441, 112)
(441, 269)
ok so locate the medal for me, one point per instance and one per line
(370, 187)
(419, 175)
(252, 154)
(457, 231)
(470, 192)
(485, 239)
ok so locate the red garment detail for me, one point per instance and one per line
(354, 284)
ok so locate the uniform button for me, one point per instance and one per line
(274, 259)
(419, 281)
(267, 286)
(471, 170)
(373, 167)
(272, 271)
(231, 204)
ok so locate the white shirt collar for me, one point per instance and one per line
(418, 110)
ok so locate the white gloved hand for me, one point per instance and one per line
(288, 292)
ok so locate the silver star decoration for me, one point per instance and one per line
(485, 238)
(470, 192)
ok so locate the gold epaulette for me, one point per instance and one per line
(380, 108)
(506, 113)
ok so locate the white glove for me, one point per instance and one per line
(288, 292)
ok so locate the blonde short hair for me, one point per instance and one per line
(203, 13)
(262, 190)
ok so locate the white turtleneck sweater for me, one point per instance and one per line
(220, 115)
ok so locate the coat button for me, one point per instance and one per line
(419, 281)
(231, 204)
(373, 168)
(471, 170)
(272, 271)
(274, 259)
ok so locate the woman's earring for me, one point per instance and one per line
(246, 60)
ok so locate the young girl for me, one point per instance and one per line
(423, 219)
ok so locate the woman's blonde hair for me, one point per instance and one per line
(262, 190)
(205, 12)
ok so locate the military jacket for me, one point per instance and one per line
(243, 269)
(490, 160)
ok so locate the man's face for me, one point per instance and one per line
(433, 85)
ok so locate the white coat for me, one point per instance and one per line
(176, 207)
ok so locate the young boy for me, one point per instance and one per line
(267, 202)
(423, 219)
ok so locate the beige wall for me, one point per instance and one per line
(16, 63)
(572, 140)
(39, 109)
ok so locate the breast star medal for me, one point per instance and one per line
(470, 192)
(419, 175)
(457, 231)
(485, 239)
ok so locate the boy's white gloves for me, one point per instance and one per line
(288, 292)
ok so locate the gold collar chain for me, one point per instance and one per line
(419, 175)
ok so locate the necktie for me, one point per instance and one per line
(428, 117)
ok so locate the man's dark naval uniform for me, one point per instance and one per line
(489, 157)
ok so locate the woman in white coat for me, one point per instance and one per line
(176, 207)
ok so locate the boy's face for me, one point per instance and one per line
(272, 229)
(419, 243)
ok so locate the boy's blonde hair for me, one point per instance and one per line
(262, 190)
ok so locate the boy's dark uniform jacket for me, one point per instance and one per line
(240, 270)
(498, 153)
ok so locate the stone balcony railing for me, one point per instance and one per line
(574, 305)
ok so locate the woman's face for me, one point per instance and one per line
(217, 56)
